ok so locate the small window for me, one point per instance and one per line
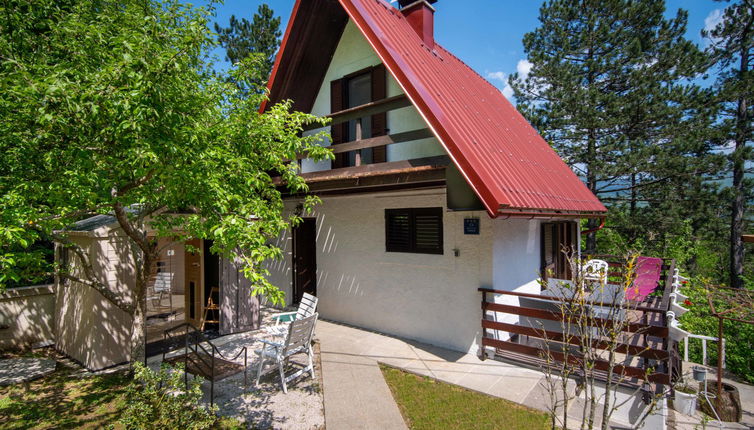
(417, 230)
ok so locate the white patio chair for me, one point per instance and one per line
(306, 308)
(298, 340)
(161, 286)
(595, 270)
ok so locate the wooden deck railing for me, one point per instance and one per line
(651, 355)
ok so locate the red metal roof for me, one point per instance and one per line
(502, 157)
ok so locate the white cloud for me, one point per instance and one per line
(523, 68)
(496, 76)
(713, 19)
(508, 92)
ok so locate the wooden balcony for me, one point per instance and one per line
(425, 172)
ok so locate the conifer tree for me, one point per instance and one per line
(261, 36)
(731, 49)
(610, 89)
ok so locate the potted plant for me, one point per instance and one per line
(684, 399)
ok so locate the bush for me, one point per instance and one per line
(160, 400)
(739, 337)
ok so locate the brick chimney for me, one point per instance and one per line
(420, 15)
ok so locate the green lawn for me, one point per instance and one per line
(429, 404)
(62, 401)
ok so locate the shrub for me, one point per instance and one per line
(160, 400)
(739, 337)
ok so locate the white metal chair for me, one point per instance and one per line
(306, 308)
(595, 270)
(298, 340)
(161, 286)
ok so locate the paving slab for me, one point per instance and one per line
(18, 370)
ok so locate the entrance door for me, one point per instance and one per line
(305, 259)
(194, 291)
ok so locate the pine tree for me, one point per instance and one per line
(731, 49)
(260, 36)
(610, 89)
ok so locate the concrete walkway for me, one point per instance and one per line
(357, 397)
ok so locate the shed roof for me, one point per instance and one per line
(502, 157)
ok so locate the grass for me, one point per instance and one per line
(429, 404)
(62, 401)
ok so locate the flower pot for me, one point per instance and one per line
(684, 403)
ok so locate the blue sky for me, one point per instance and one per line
(486, 34)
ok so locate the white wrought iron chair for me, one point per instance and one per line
(595, 270)
(298, 340)
(161, 286)
(306, 308)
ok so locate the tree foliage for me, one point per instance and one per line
(610, 89)
(243, 38)
(732, 41)
(111, 107)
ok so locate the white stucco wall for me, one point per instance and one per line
(516, 263)
(430, 298)
(353, 54)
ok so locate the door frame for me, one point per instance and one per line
(294, 244)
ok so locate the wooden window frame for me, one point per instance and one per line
(412, 213)
(563, 233)
(339, 101)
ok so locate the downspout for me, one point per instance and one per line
(598, 228)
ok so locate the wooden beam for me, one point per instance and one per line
(748, 238)
(640, 351)
(372, 142)
(651, 330)
(566, 300)
(402, 166)
(628, 371)
(367, 109)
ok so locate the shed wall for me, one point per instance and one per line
(27, 316)
(90, 329)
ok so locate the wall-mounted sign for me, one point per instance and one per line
(471, 226)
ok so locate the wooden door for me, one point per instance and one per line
(305, 259)
(239, 310)
(193, 291)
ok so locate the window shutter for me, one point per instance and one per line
(428, 230)
(379, 121)
(397, 230)
(338, 131)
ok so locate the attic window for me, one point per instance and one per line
(414, 230)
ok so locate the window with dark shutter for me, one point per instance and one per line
(354, 90)
(416, 230)
(559, 242)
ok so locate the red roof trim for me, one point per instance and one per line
(279, 56)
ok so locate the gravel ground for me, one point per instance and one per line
(266, 406)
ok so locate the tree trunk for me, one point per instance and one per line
(591, 183)
(739, 199)
(138, 333)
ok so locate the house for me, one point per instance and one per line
(439, 185)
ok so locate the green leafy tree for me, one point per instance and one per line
(110, 108)
(260, 37)
(731, 46)
(609, 88)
